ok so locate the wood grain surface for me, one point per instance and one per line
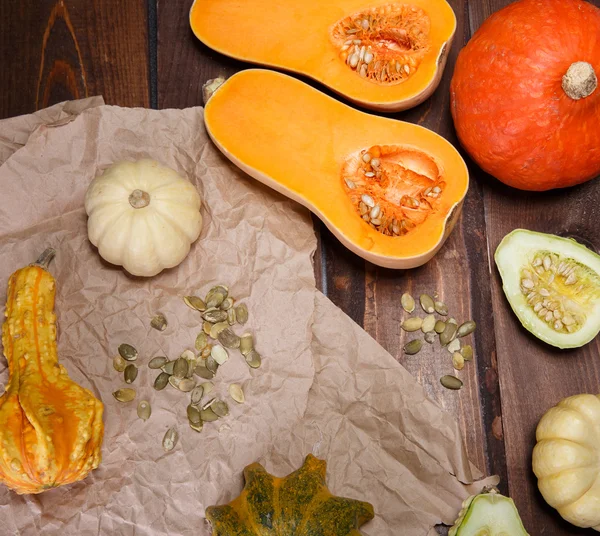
(142, 52)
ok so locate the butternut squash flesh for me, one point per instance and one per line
(382, 55)
(314, 149)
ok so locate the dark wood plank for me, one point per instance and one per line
(535, 376)
(57, 50)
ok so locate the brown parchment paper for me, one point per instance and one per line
(325, 386)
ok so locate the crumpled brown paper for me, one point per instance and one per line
(325, 386)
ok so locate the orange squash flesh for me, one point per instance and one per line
(298, 141)
(301, 37)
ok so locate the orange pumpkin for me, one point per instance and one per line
(525, 97)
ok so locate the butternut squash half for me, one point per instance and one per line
(390, 191)
(379, 54)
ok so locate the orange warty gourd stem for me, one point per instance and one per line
(51, 429)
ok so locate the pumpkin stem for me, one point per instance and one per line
(44, 259)
(139, 199)
(580, 81)
(210, 86)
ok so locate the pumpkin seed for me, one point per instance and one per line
(458, 361)
(186, 385)
(441, 308)
(206, 327)
(119, 363)
(407, 302)
(466, 328)
(170, 439)
(427, 303)
(144, 410)
(201, 341)
(221, 408)
(219, 354)
(211, 363)
(130, 373)
(188, 354)
(174, 381)
(180, 368)
(451, 382)
(196, 427)
(428, 323)
(206, 351)
(236, 392)
(241, 313)
(128, 352)
(467, 352)
(227, 304)
(193, 414)
(203, 372)
(208, 387)
(214, 315)
(412, 324)
(231, 317)
(452, 321)
(253, 359)
(197, 394)
(124, 395)
(453, 346)
(430, 337)
(209, 403)
(208, 415)
(229, 339)
(215, 298)
(161, 381)
(158, 362)
(159, 322)
(194, 302)
(439, 326)
(246, 343)
(217, 328)
(413, 347)
(448, 334)
(191, 367)
(168, 367)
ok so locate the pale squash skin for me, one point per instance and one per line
(51, 429)
(299, 504)
(295, 37)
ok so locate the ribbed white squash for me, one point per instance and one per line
(143, 216)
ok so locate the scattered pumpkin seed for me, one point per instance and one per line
(246, 343)
(448, 334)
(206, 351)
(236, 392)
(219, 354)
(439, 326)
(221, 408)
(451, 382)
(466, 328)
(467, 352)
(458, 361)
(197, 394)
(208, 387)
(211, 363)
(158, 362)
(428, 323)
(227, 304)
(430, 337)
(413, 347)
(170, 439)
(453, 346)
(130, 373)
(168, 367)
(215, 298)
(203, 372)
(440, 308)
(186, 385)
(161, 381)
(427, 303)
(201, 341)
(144, 410)
(209, 403)
(194, 302)
(407, 302)
(253, 359)
(180, 369)
(193, 414)
(208, 415)
(231, 317)
(128, 352)
(452, 321)
(214, 315)
(159, 322)
(174, 381)
(229, 339)
(188, 354)
(206, 327)
(196, 427)
(241, 313)
(412, 324)
(217, 328)
(124, 395)
(119, 363)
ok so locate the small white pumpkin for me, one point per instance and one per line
(566, 459)
(142, 216)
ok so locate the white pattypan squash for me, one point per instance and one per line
(566, 459)
(142, 216)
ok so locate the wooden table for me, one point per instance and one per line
(143, 53)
